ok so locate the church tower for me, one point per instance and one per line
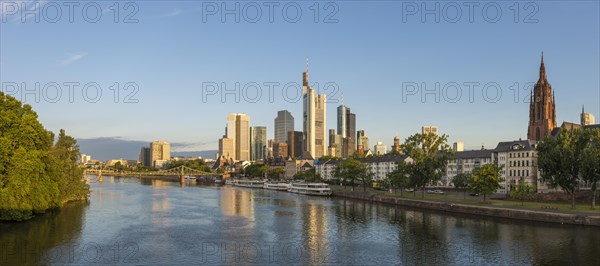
(542, 110)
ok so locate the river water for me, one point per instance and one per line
(132, 221)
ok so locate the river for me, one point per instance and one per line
(131, 221)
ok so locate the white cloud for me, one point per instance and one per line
(71, 58)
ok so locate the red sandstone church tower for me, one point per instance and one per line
(542, 111)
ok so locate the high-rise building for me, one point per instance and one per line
(238, 131)
(587, 118)
(159, 151)
(294, 141)
(226, 148)
(429, 129)
(242, 137)
(284, 123)
(145, 157)
(258, 143)
(380, 148)
(321, 126)
(314, 124)
(542, 110)
(347, 128)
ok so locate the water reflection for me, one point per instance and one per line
(34, 242)
(224, 225)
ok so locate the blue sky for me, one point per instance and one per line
(372, 52)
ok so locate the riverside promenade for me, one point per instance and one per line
(538, 211)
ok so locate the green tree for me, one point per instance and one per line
(276, 173)
(35, 174)
(308, 176)
(559, 160)
(590, 168)
(462, 182)
(523, 191)
(399, 178)
(485, 179)
(430, 154)
(353, 172)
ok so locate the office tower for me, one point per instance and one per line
(542, 110)
(258, 143)
(284, 123)
(458, 146)
(396, 147)
(380, 148)
(160, 151)
(145, 156)
(226, 148)
(314, 119)
(280, 150)
(238, 131)
(294, 141)
(587, 118)
(429, 129)
(320, 126)
(347, 128)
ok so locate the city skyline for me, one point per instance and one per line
(411, 52)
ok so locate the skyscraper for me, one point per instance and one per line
(347, 129)
(237, 133)
(321, 126)
(258, 143)
(145, 156)
(542, 110)
(294, 141)
(314, 124)
(284, 123)
(242, 137)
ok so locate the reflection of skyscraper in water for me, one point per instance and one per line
(236, 202)
(314, 231)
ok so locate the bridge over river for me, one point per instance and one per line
(182, 172)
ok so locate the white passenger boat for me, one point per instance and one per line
(249, 183)
(318, 189)
(277, 186)
(230, 181)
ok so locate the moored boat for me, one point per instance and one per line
(249, 183)
(276, 186)
(317, 189)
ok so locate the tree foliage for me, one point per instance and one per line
(353, 172)
(256, 170)
(308, 176)
(196, 164)
(35, 174)
(462, 181)
(430, 154)
(400, 178)
(559, 160)
(523, 191)
(590, 163)
(485, 179)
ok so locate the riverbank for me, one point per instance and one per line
(550, 216)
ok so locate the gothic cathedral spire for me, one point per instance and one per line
(542, 109)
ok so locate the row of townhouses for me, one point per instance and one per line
(518, 160)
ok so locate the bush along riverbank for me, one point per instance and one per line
(36, 173)
(551, 215)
